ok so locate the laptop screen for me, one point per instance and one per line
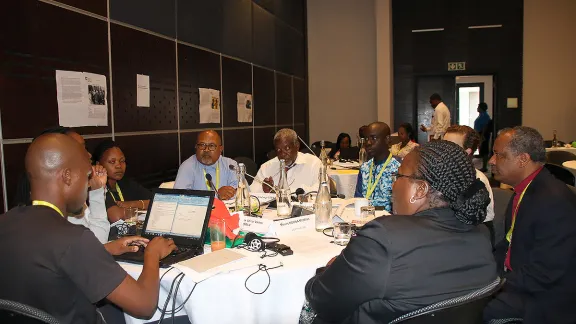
(177, 215)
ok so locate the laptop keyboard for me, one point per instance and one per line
(180, 254)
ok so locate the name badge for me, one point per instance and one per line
(295, 224)
(255, 224)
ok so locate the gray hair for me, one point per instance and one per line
(526, 140)
(288, 134)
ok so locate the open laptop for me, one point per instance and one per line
(349, 153)
(181, 215)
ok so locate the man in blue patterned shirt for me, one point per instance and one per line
(375, 176)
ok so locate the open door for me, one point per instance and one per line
(425, 87)
(468, 96)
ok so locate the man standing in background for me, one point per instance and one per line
(440, 119)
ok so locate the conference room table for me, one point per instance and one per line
(562, 148)
(224, 297)
(345, 177)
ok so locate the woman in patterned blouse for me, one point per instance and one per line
(407, 144)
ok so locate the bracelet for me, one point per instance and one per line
(142, 201)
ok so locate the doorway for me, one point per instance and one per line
(468, 96)
(461, 94)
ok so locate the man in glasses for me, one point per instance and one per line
(375, 177)
(208, 160)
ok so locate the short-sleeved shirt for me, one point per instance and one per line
(382, 194)
(53, 265)
(131, 191)
(191, 174)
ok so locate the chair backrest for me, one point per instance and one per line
(14, 312)
(251, 167)
(561, 173)
(464, 309)
(333, 187)
(501, 200)
(272, 154)
(559, 157)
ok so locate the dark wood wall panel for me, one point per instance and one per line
(194, 16)
(196, 69)
(300, 102)
(159, 153)
(264, 97)
(237, 28)
(248, 46)
(154, 15)
(14, 165)
(263, 142)
(14, 155)
(496, 51)
(134, 53)
(1, 190)
(283, 100)
(236, 77)
(238, 142)
(32, 51)
(99, 7)
(263, 33)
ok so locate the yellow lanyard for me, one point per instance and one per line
(217, 177)
(119, 193)
(372, 185)
(515, 214)
(47, 204)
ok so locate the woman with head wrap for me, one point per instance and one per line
(430, 250)
(121, 192)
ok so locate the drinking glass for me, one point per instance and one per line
(367, 212)
(218, 235)
(130, 215)
(342, 233)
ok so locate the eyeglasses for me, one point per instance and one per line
(398, 175)
(203, 146)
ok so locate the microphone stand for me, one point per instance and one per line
(308, 147)
(209, 178)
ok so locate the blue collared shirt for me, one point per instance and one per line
(481, 122)
(382, 195)
(191, 174)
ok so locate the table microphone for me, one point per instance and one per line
(209, 178)
(233, 168)
(298, 192)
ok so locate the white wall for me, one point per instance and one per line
(341, 67)
(549, 88)
(488, 88)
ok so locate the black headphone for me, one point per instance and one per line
(256, 243)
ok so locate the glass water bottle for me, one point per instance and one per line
(283, 203)
(243, 192)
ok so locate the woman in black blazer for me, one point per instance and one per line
(430, 250)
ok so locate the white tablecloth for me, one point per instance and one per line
(224, 299)
(570, 165)
(567, 149)
(345, 179)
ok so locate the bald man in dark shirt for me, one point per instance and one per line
(59, 267)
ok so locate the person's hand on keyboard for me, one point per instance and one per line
(160, 247)
(125, 244)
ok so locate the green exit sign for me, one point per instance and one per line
(456, 66)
